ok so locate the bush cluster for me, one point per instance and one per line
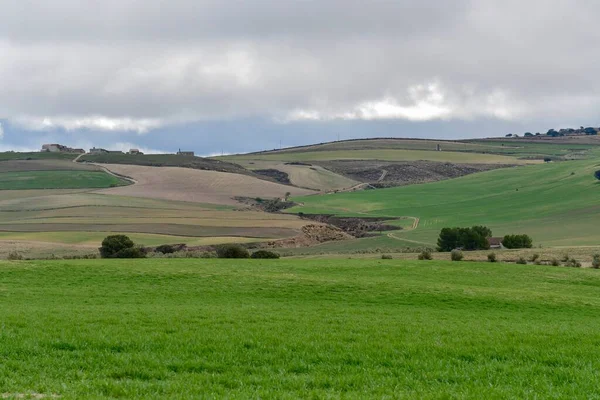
(232, 251)
(474, 238)
(517, 242)
(264, 254)
(492, 257)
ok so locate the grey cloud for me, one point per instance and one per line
(137, 65)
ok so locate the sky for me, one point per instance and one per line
(224, 76)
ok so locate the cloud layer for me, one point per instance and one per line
(136, 66)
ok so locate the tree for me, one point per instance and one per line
(287, 195)
(517, 242)
(528, 134)
(474, 238)
(597, 174)
(120, 246)
(552, 133)
(448, 239)
(509, 135)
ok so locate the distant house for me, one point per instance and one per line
(495, 242)
(185, 153)
(135, 151)
(59, 148)
(51, 148)
(95, 150)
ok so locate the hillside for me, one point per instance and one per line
(356, 164)
(556, 203)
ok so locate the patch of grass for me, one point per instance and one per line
(258, 329)
(25, 180)
(11, 155)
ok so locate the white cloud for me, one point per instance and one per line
(94, 122)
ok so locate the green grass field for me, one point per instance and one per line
(24, 180)
(556, 203)
(11, 155)
(158, 329)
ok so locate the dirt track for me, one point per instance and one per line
(185, 184)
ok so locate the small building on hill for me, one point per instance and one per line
(185, 153)
(495, 242)
(135, 152)
(59, 148)
(51, 148)
(95, 150)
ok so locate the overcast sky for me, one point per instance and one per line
(224, 75)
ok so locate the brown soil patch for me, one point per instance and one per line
(184, 184)
(387, 174)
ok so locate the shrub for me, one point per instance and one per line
(596, 261)
(264, 254)
(492, 257)
(517, 242)
(232, 251)
(425, 255)
(386, 257)
(554, 262)
(534, 257)
(565, 258)
(165, 249)
(522, 261)
(456, 255)
(131, 252)
(597, 174)
(112, 245)
(14, 256)
(573, 263)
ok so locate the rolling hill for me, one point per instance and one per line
(556, 203)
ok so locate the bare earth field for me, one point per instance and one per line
(190, 185)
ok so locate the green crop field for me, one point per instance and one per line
(11, 155)
(158, 329)
(556, 203)
(57, 180)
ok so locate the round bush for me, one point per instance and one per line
(456, 255)
(386, 257)
(492, 257)
(232, 251)
(264, 254)
(425, 255)
(113, 244)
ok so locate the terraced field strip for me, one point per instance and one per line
(94, 239)
(385, 155)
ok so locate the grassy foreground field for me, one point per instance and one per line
(297, 329)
